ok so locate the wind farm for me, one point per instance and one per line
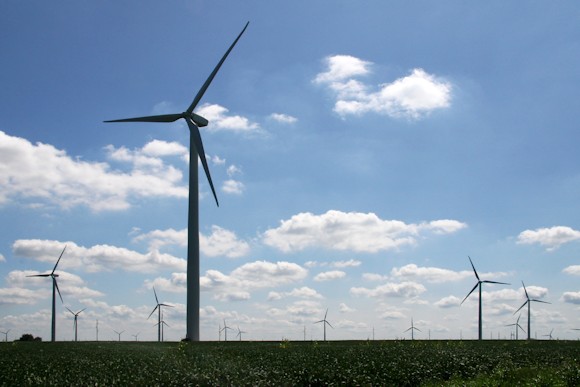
(338, 174)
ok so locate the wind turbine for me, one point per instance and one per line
(549, 336)
(136, 336)
(528, 301)
(194, 122)
(6, 335)
(478, 284)
(162, 324)
(158, 308)
(225, 330)
(54, 290)
(516, 325)
(324, 322)
(75, 321)
(119, 333)
(240, 333)
(412, 329)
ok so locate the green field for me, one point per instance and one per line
(292, 363)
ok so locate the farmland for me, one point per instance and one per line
(292, 363)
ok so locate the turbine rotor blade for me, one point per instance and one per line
(79, 312)
(39, 275)
(196, 137)
(524, 304)
(528, 297)
(58, 260)
(154, 309)
(154, 292)
(495, 282)
(70, 310)
(469, 294)
(329, 324)
(158, 118)
(475, 271)
(57, 289)
(208, 81)
(545, 302)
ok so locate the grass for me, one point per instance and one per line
(411, 363)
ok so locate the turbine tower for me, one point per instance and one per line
(55, 289)
(478, 284)
(194, 122)
(158, 308)
(324, 322)
(75, 326)
(412, 329)
(528, 301)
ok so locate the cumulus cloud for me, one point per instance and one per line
(220, 243)
(95, 258)
(571, 297)
(353, 231)
(329, 275)
(403, 289)
(429, 274)
(2, 259)
(337, 264)
(412, 96)
(572, 270)
(344, 308)
(551, 238)
(233, 187)
(448, 302)
(220, 120)
(303, 292)
(47, 175)
(251, 276)
(283, 118)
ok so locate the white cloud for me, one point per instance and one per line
(448, 302)
(159, 148)
(303, 292)
(233, 187)
(373, 277)
(571, 297)
(220, 120)
(2, 259)
(354, 231)
(412, 96)
(251, 276)
(233, 170)
(403, 289)
(552, 237)
(572, 270)
(429, 274)
(349, 263)
(43, 173)
(283, 118)
(344, 308)
(95, 258)
(221, 242)
(329, 275)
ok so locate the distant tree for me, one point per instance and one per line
(29, 337)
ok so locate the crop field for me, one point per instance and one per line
(400, 363)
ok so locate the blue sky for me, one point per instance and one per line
(361, 152)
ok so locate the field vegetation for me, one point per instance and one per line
(400, 363)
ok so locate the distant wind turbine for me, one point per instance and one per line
(529, 301)
(158, 309)
(118, 333)
(54, 290)
(162, 324)
(136, 336)
(6, 335)
(194, 122)
(240, 333)
(516, 325)
(478, 284)
(225, 330)
(324, 322)
(75, 326)
(412, 329)
(549, 336)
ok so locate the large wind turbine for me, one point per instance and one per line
(158, 308)
(478, 284)
(324, 322)
(528, 301)
(412, 328)
(194, 122)
(54, 290)
(517, 325)
(75, 321)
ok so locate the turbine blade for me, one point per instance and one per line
(325, 314)
(329, 324)
(528, 297)
(154, 292)
(69, 310)
(545, 302)
(417, 329)
(201, 91)
(158, 118)
(475, 271)
(58, 260)
(170, 306)
(495, 282)
(524, 304)
(57, 289)
(407, 330)
(39, 275)
(196, 137)
(80, 311)
(469, 294)
(153, 311)
(319, 321)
